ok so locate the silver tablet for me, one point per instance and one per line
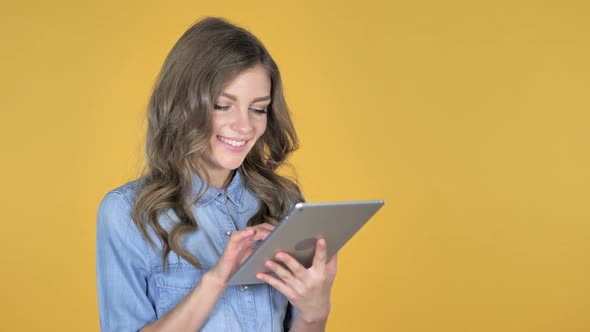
(297, 234)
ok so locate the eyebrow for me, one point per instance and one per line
(234, 98)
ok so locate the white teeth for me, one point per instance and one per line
(231, 142)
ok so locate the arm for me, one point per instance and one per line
(192, 312)
(123, 268)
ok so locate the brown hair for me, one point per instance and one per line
(202, 62)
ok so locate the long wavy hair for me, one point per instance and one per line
(208, 56)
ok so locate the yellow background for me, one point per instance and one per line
(470, 118)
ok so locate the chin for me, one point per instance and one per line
(232, 165)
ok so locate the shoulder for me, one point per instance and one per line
(114, 211)
(124, 193)
(119, 243)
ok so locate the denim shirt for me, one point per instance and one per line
(134, 290)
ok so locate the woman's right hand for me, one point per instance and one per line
(239, 247)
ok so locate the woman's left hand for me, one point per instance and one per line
(308, 290)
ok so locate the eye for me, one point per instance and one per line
(259, 111)
(221, 107)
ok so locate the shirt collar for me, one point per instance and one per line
(233, 192)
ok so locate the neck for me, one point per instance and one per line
(220, 179)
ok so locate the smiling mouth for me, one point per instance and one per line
(231, 141)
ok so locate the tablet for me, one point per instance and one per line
(297, 234)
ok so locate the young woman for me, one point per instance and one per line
(218, 130)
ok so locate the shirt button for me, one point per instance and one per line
(228, 233)
(244, 288)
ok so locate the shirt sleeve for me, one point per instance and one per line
(122, 268)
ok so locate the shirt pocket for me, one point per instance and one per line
(174, 284)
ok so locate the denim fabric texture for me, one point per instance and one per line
(134, 290)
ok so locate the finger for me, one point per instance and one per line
(246, 232)
(293, 265)
(264, 230)
(292, 273)
(245, 254)
(278, 285)
(331, 267)
(261, 234)
(266, 226)
(239, 245)
(245, 237)
(241, 239)
(281, 272)
(319, 258)
(333, 261)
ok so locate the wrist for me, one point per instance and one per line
(308, 324)
(317, 318)
(213, 281)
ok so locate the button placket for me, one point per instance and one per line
(225, 224)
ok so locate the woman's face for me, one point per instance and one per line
(238, 120)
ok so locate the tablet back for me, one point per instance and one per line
(297, 233)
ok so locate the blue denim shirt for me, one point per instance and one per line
(134, 290)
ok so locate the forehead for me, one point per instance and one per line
(254, 81)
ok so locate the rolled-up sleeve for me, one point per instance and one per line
(122, 268)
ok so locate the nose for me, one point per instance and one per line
(241, 122)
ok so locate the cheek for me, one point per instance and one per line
(217, 121)
(262, 127)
